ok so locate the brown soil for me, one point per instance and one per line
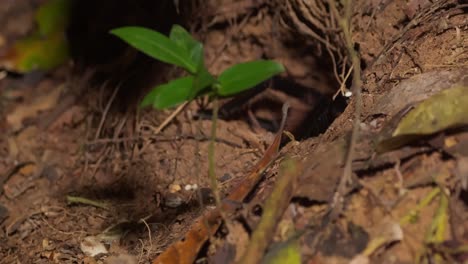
(56, 145)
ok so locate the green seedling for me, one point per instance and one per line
(182, 50)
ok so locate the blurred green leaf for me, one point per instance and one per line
(445, 110)
(184, 39)
(243, 76)
(196, 55)
(169, 94)
(53, 16)
(156, 45)
(285, 252)
(37, 53)
(46, 47)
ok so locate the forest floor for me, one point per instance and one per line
(79, 176)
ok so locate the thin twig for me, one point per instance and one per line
(149, 232)
(211, 162)
(161, 139)
(357, 88)
(170, 118)
(82, 200)
(106, 110)
(342, 88)
(346, 179)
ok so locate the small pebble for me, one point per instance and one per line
(173, 188)
(173, 200)
(191, 187)
(92, 246)
(225, 177)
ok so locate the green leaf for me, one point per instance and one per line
(150, 97)
(196, 55)
(169, 94)
(445, 110)
(202, 80)
(243, 76)
(37, 53)
(184, 39)
(156, 45)
(46, 47)
(284, 252)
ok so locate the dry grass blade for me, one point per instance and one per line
(274, 208)
(170, 117)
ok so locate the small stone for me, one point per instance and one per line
(207, 196)
(225, 177)
(91, 246)
(45, 243)
(173, 200)
(173, 188)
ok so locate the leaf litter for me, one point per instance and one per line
(417, 188)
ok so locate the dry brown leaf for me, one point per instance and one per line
(416, 89)
(42, 103)
(19, 182)
(23, 144)
(323, 171)
(442, 111)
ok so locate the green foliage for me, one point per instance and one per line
(284, 252)
(182, 38)
(40, 53)
(46, 46)
(443, 111)
(169, 94)
(246, 75)
(156, 45)
(182, 50)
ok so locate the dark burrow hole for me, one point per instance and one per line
(93, 48)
